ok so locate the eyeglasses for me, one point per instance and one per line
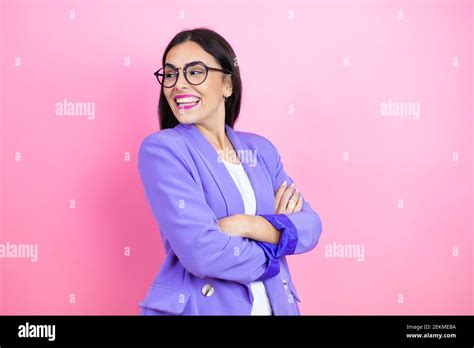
(195, 73)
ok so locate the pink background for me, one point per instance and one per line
(313, 81)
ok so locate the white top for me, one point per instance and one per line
(261, 303)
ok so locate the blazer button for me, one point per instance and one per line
(207, 290)
(285, 284)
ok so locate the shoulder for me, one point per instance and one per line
(163, 153)
(259, 143)
(165, 145)
(162, 137)
(165, 141)
(265, 150)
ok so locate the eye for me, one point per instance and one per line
(169, 73)
(196, 72)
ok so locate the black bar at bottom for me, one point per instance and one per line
(170, 330)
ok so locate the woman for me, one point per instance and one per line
(228, 213)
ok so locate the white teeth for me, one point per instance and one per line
(187, 100)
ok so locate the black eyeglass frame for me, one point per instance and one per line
(159, 72)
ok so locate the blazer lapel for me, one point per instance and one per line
(225, 183)
(255, 171)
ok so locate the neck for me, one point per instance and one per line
(214, 133)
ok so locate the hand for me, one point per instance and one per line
(237, 225)
(288, 199)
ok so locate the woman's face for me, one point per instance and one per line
(210, 94)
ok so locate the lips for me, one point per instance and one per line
(186, 101)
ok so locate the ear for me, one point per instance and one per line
(228, 84)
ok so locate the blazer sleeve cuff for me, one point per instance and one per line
(288, 237)
(273, 265)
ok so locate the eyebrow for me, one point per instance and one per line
(193, 62)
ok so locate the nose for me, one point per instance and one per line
(182, 82)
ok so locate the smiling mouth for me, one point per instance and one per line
(187, 102)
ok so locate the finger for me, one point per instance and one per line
(279, 193)
(293, 201)
(285, 198)
(299, 205)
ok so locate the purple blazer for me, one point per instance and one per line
(205, 271)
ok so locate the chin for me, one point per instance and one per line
(186, 118)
